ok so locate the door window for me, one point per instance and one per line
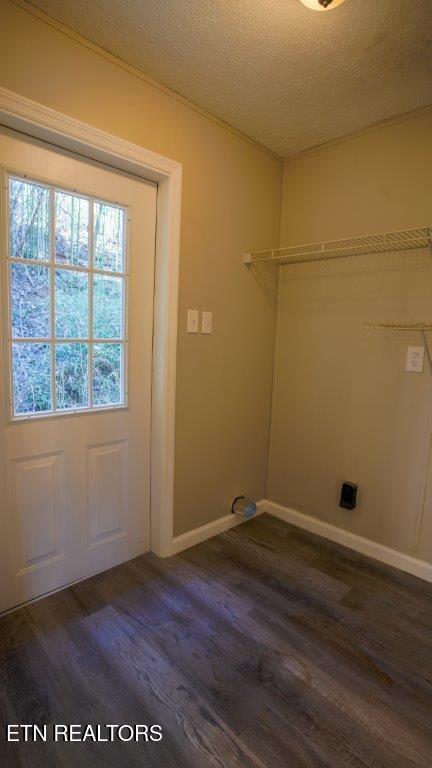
(67, 290)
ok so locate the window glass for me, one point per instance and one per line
(71, 365)
(106, 374)
(71, 304)
(31, 378)
(29, 232)
(62, 310)
(30, 301)
(108, 237)
(71, 229)
(107, 307)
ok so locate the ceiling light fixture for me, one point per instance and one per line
(322, 5)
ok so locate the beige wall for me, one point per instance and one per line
(343, 405)
(231, 202)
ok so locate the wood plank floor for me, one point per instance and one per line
(265, 646)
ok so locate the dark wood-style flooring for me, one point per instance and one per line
(265, 646)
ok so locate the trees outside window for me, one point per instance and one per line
(67, 298)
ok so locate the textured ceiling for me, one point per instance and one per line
(286, 76)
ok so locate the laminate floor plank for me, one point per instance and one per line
(285, 597)
(264, 647)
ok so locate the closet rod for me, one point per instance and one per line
(387, 242)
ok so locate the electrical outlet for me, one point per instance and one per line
(415, 359)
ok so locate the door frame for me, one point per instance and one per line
(38, 121)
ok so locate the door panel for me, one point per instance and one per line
(106, 489)
(38, 504)
(76, 486)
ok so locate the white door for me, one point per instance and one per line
(77, 270)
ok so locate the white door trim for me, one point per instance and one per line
(41, 122)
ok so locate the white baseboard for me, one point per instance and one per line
(367, 547)
(189, 539)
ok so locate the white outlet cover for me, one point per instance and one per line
(415, 359)
(192, 321)
(207, 322)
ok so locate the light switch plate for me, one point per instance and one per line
(415, 359)
(207, 322)
(192, 321)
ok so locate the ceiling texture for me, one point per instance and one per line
(286, 76)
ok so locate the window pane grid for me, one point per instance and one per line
(52, 305)
(72, 267)
(90, 306)
(63, 340)
(85, 371)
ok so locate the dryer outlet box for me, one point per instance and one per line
(348, 499)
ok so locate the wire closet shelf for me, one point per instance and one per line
(387, 242)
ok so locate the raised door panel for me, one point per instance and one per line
(38, 511)
(107, 492)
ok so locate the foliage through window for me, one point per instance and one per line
(67, 297)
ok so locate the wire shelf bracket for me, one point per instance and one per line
(422, 327)
(388, 242)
